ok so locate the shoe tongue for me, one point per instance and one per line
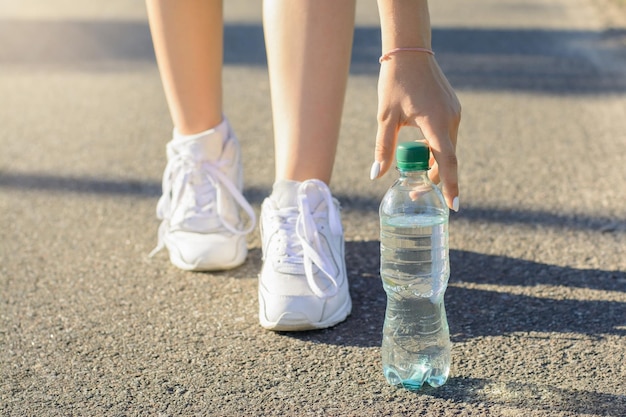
(204, 146)
(285, 194)
(315, 195)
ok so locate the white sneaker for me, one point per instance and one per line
(202, 182)
(303, 284)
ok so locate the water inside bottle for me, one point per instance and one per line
(415, 270)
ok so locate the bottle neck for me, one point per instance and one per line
(412, 173)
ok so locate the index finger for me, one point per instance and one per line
(386, 138)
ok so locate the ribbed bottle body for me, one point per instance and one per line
(415, 271)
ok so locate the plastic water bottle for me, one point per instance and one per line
(414, 269)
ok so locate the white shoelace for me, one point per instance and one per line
(308, 248)
(181, 168)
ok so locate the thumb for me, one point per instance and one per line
(386, 137)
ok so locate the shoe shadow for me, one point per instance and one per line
(476, 312)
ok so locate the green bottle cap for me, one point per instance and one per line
(412, 156)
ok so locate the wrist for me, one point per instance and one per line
(387, 55)
(404, 24)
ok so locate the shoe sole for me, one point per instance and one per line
(206, 267)
(202, 265)
(295, 324)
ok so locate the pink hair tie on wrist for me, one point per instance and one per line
(387, 56)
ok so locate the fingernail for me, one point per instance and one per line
(375, 170)
(455, 203)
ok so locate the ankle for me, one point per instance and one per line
(285, 193)
(222, 130)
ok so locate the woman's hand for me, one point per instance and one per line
(413, 91)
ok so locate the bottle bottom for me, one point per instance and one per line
(418, 375)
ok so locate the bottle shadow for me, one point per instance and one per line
(476, 312)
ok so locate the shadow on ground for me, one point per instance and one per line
(51, 183)
(555, 61)
(475, 313)
(478, 313)
(529, 396)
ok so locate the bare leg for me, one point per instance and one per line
(188, 38)
(308, 49)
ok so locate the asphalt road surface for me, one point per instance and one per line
(90, 326)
